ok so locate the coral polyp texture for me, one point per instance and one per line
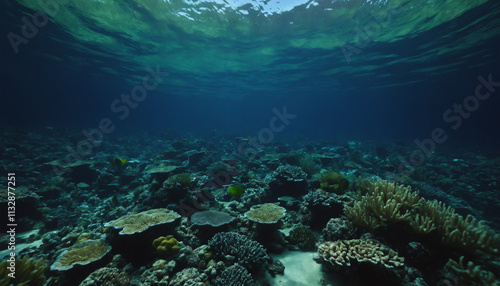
(82, 253)
(136, 223)
(266, 213)
(347, 252)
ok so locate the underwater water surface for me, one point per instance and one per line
(342, 142)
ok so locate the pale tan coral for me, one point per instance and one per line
(344, 252)
(383, 202)
(136, 223)
(266, 213)
(455, 231)
(386, 202)
(472, 274)
(82, 253)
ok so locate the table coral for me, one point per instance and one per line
(82, 253)
(266, 213)
(136, 223)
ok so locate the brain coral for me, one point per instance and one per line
(136, 223)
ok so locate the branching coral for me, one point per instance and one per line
(471, 274)
(344, 252)
(234, 275)
(247, 252)
(455, 231)
(386, 202)
(383, 202)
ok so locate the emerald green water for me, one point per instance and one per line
(216, 48)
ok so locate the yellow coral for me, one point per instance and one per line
(166, 246)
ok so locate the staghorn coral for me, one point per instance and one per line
(82, 253)
(28, 272)
(384, 202)
(388, 203)
(455, 231)
(247, 252)
(344, 252)
(471, 274)
(234, 275)
(136, 223)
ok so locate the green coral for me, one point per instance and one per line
(303, 237)
(28, 272)
(166, 245)
(334, 182)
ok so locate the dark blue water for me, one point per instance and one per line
(366, 99)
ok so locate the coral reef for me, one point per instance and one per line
(345, 252)
(82, 253)
(28, 272)
(189, 277)
(247, 252)
(106, 277)
(234, 275)
(136, 223)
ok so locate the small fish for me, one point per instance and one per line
(117, 162)
(236, 190)
(287, 199)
